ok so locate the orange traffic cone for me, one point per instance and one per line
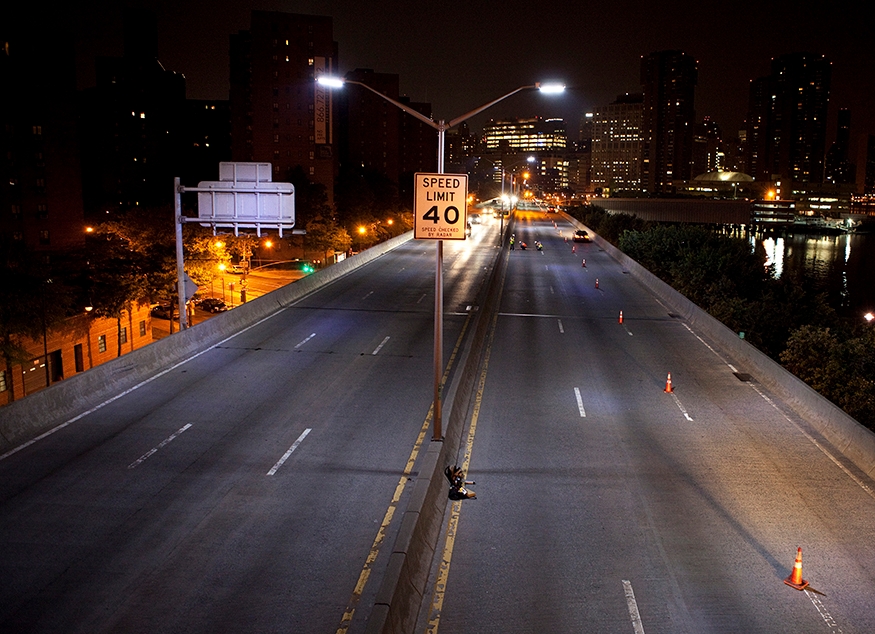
(668, 388)
(596, 282)
(620, 321)
(574, 248)
(795, 579)
(583, 264)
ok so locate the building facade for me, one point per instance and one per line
(618, 144)
(510, 142)
(786, 122)
(40, 170)
(669, 80)
(279, 114)
(133, 120)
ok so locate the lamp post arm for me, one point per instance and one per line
(477, 111)
(407, 109)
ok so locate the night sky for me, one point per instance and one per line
(459, 56)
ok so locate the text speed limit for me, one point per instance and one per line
(440, 208)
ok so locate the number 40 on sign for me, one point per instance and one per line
(440, 209)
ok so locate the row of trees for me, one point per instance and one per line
(789, 318)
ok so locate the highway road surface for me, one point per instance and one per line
(606, 504)
(251, 489)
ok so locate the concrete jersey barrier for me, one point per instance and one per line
(848, 436)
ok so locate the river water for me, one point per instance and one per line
(843, 265)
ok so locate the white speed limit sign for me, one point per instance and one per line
(440, 208)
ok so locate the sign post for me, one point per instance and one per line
(440, 212)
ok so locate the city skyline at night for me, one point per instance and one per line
(458, 59)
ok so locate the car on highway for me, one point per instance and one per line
(212, 305)
(581, 236)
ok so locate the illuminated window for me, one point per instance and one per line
(3, 385)
(142, 327)
(123, 335)
(101, 343)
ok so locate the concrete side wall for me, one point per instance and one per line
(690, 210)
(856, 442)
(25, 419)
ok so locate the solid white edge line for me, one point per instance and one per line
(637, 625)
(286, 455)
(579, 402)
(164, 442)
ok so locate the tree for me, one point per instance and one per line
(326, 236)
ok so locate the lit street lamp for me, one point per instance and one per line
(441, 126)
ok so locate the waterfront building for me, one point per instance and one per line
(786, 122)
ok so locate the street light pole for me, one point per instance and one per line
(441, 126)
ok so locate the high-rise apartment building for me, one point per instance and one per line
(132, 120)
(786, 122)
(40, 177)
(375, 135)
(838, 169)
(278, 112)
(669, 80)
(617, 144)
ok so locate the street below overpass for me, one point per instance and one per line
(257, 487)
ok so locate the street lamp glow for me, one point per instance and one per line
(551, 88)
(330, 81)
(869, 317)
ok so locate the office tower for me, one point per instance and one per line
(278, 113)
(786, 123)
(669, 80)
(617, 144)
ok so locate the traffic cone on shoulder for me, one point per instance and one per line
(795, 579)
(596, 282)
(583, 264)
(620, 320)
(668, 388)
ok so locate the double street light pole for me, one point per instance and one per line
(441, 126)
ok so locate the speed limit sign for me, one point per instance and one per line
(440, 209)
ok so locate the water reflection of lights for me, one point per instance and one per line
(775, 254)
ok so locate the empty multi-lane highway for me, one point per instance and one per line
(257, 487)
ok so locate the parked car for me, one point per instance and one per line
(212, 305)
(581, 236)
(165, 311)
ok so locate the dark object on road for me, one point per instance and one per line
(457, 484)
